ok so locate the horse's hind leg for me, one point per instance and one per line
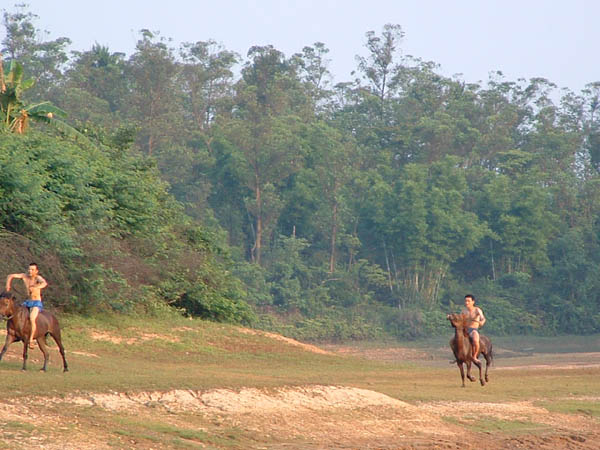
(25, 354)
(488, 362)
(462, 373)
(56, 336)
(44, 349)
(469, 376)
(478, 364)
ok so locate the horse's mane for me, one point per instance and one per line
(461, 319)
(464, 319)
(10, 295)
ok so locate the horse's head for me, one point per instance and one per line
(7, 303)
(457, 320)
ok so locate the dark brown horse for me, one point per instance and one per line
(463, 352)
(18, 328)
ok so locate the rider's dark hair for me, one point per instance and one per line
(470, 296)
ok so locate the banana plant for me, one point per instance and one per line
(15, 114)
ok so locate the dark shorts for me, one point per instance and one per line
(33, 304)
(470, 331)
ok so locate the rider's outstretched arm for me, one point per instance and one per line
(11, 277)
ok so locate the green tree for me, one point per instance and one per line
(378, 68)
(518, 213)
(154, 100)
(313, 69)
(207, 79)
(101, 74)
(333, 167)
(430, 226)
(266, 129)
(23, 42)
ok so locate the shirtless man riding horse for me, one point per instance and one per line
(34, 284)
(476, 320)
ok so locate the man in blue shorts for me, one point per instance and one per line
(34, 284)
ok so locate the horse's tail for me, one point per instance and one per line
(491, 353)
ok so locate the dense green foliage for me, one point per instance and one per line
(121, 241)
(326, 211)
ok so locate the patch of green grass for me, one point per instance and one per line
(14, 430)
(20, 426)
(183, 433)
(488, 424)
(168, 434)
(571, 406)
(554, 344)
(535, 344)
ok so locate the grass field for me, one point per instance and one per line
(183, 383)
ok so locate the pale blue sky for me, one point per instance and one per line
(554, 39)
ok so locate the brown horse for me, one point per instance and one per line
(463, 352)
(18, 328)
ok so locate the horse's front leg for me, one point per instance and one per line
(9, 340)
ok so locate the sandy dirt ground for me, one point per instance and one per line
(306, 417)
(312, 417)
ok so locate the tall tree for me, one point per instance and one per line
(430, 228)
(207, 79)
(517, 211)
(313, 67)
(378, 68)
(591, 125)
(23, 42)
(154, 101)
(266, 130)
(331, 155)
(102, 73)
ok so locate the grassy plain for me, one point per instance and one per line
(127, 356)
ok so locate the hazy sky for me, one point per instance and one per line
(554, 39)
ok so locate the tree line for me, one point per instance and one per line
(340, 210)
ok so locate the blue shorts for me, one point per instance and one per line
(470, 331)
(33, 304)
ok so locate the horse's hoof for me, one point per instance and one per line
(65, 370)
(482, 382)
